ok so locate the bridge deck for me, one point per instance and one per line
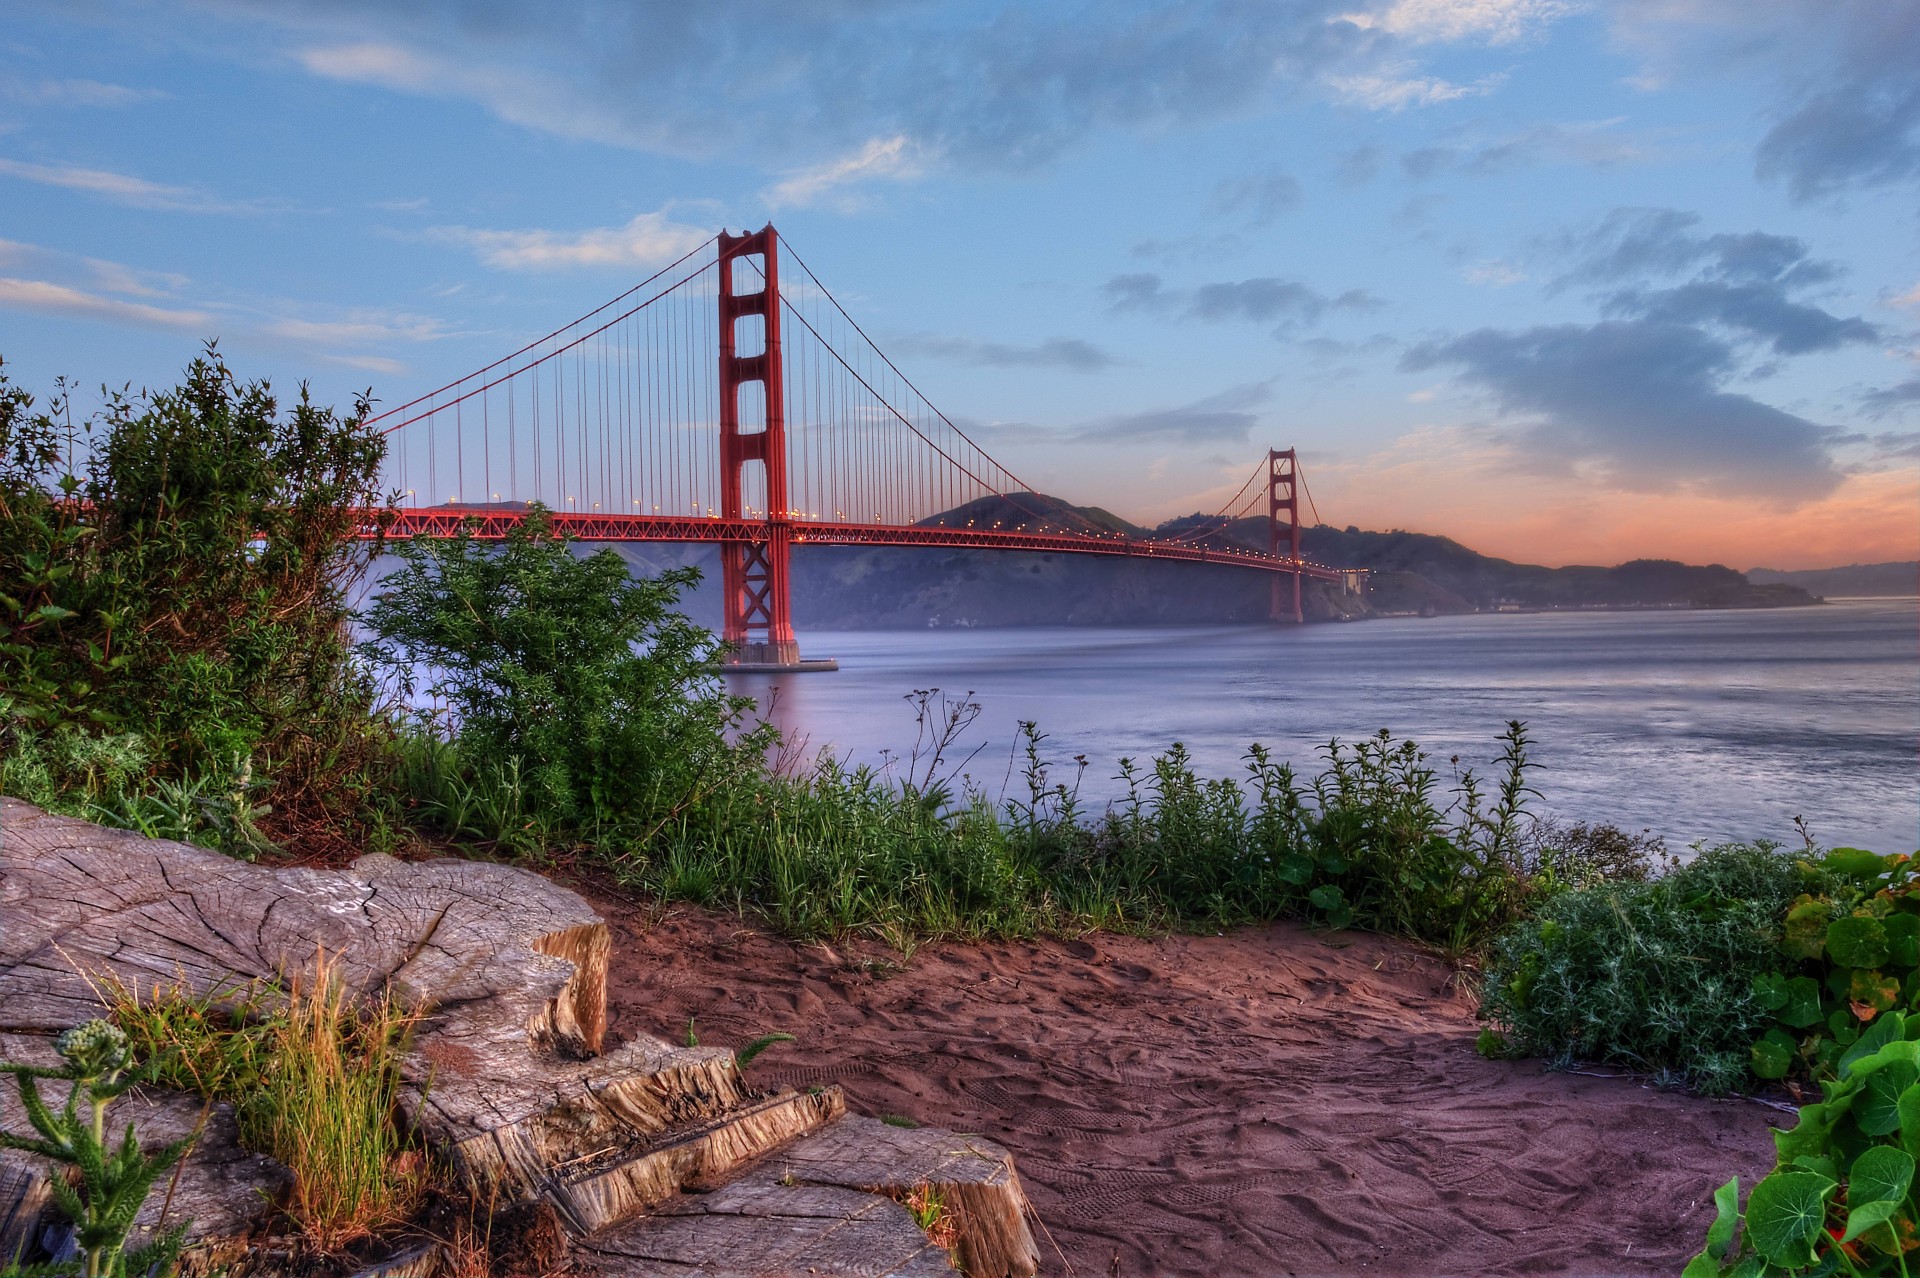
(492, 523)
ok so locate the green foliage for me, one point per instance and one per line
(173, 579)
(1664, 975)
(581, 704)
(1849, 953)
(1840, 1197)
(746, 1055)
(109, 1184)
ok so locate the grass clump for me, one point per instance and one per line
(312, 1072)
(1665, 975)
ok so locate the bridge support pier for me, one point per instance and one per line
(1283, 530)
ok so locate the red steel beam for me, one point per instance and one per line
(491, 524)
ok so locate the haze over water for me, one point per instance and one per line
(1697, 725)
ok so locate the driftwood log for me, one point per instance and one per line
(510, 1076)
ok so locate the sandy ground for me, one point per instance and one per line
(1269, 1102)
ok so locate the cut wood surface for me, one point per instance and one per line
(507, 1077)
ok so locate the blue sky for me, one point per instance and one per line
(1570, 282)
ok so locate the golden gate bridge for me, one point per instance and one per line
(716, 402)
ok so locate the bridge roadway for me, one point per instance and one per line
(492, 523)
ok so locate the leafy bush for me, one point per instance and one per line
(176, 571)
(1663, 976)
(1851, 952)
(572, 686)
(1840, 1197)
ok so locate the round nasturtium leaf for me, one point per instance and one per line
(1857, 941)
(1877, 1110)
(1856, 863)
(1773, 1055)
(1804, 933)
(1871, 993)
(1802, 1008)
(1296, 868)
(1770, 991)
(1784, 1215)
(1327, 897)
(1881, 1174)
(1903, 939)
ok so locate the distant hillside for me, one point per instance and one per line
(1902, 578)
(859, 587)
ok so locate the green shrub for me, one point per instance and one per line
(174, 574)
(577, 697)
(1840, 1197)
(1662, 976)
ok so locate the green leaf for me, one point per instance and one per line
(1857, 941)
(1877, 1111)
(1726, 1201)
(1784, 1214)
(1801, 1005)
(1701, 1266)
(1864, 1217)
(1882, 1172)
(1909, 1107)
(1804, 932)
(1903, 939)
(1770, 991)
(1328, 897)
(1295, 868)
(1773, 1055)
(1857, 863)
(1885, 1030)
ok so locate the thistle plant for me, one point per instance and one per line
(112, 1183)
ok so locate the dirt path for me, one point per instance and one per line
(1263, 1103)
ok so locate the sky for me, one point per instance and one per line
(1568, 282)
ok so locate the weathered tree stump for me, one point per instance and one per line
(506, 1078)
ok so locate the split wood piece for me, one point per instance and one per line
(501, 954)
(975, 1179)
(698, 1157)
(221, 1191)
(757, 1227)
(507, 1121)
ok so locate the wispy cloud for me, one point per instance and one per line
(47, 298)
(1262, 299)
(894, 159)
(650, 239)
(1226, 418)
(123, 188)
(1395, 90)
(79, 93)
(1491, 21)
(1069, 353)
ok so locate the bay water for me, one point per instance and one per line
(1696, 725)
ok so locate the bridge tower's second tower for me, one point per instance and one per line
(757, 616)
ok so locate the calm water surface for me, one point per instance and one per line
(1697, 725)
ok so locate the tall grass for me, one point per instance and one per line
(1372, 840)
(312, 1073)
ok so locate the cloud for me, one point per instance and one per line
(1396, 90)
(364, 329)
(893, 159)
(650, 239)
(1493, 21)
(1909, 298)
(1892, 399)
(1070, 353)
(1225, 418)
(1260, 197)
(1263, 299)
(1639, 404)
(1760, 310)
(1845, 102)
(1494, 273)
(44, 297)
(80, 93)
(1007, 87)
(1595, 144)
(122, 188)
